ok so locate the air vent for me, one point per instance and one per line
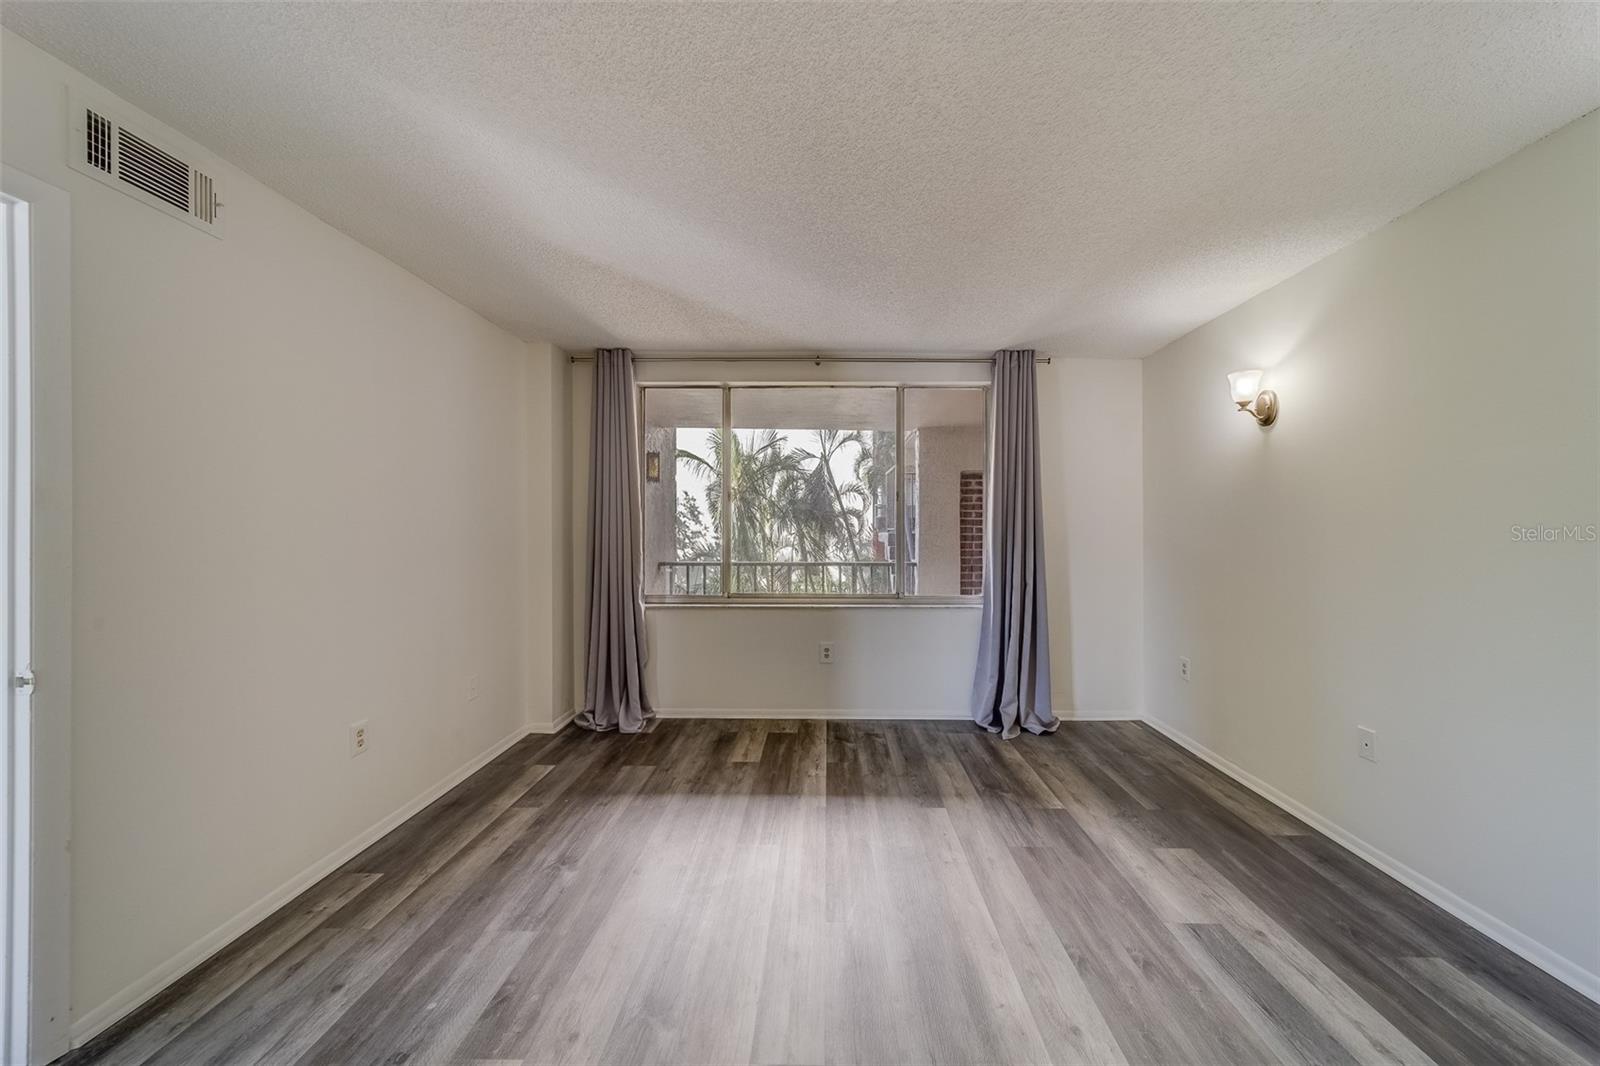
(97, 149)
(156, 171)
(142, 164)
(205, 198)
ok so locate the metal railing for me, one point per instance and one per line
(691, 579)
(816, 577)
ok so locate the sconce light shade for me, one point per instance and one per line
(1245, 385)
(1251, 398)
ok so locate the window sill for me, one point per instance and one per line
(767, 605)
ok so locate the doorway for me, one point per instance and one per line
(16, 740)
(35, 611)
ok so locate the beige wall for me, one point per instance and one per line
(1357, 565)
(546, 504)
(298, 494)
(910, 661)
(939, 456)
(1090, 459)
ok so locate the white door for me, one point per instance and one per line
(16, 747)
(16, 741)
(35, 617)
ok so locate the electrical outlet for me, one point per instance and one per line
(472, 689)
(1183, 668)
(1369, 743)
(358, 738)
(825, 652)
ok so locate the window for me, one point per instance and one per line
(682, 493)
(812, 504)
(811, 507)
(946, 453)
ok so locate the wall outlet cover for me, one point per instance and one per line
(360, 738)
(825, 652)
(1368, 739)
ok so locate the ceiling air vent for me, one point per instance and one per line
(97, 148)
(157, 171)
(161, 175)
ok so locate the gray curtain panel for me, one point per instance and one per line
(1011, 690)
(614, 695)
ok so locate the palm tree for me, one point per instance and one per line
(760, 492)
(789, 504)
(693, 538)
(847, 521)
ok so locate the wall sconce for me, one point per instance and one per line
(1245, 385)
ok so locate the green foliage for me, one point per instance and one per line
(694, 539)
(787, 503)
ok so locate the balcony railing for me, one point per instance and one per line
(691, 579)
(806, 578)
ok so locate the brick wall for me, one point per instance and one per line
(971, 532)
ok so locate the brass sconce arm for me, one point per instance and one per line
(1264, 407)
(1245, 387)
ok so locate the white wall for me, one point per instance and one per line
(547, 503)
(917, 661)
(1356, 564)
(298, 494)
(1091, 458)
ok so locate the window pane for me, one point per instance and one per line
(813, 487)
(946, 451)
(682, 492)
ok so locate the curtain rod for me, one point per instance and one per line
(802, 357)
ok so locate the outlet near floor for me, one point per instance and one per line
(825, 652)
(1183, 667)
(1368, 742)
(358, 738)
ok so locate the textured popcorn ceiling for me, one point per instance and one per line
(1090, 180)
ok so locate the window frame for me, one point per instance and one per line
(899, 598)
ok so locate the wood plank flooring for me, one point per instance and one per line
(857, 892)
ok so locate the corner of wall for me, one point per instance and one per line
(1137, 594)
(546, 505)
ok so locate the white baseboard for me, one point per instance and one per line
(1552, 962)
(132, 997)
(850, 714)
(847, 714)
(548, 728)
(835, 714)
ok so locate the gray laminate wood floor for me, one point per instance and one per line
(867, 892)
